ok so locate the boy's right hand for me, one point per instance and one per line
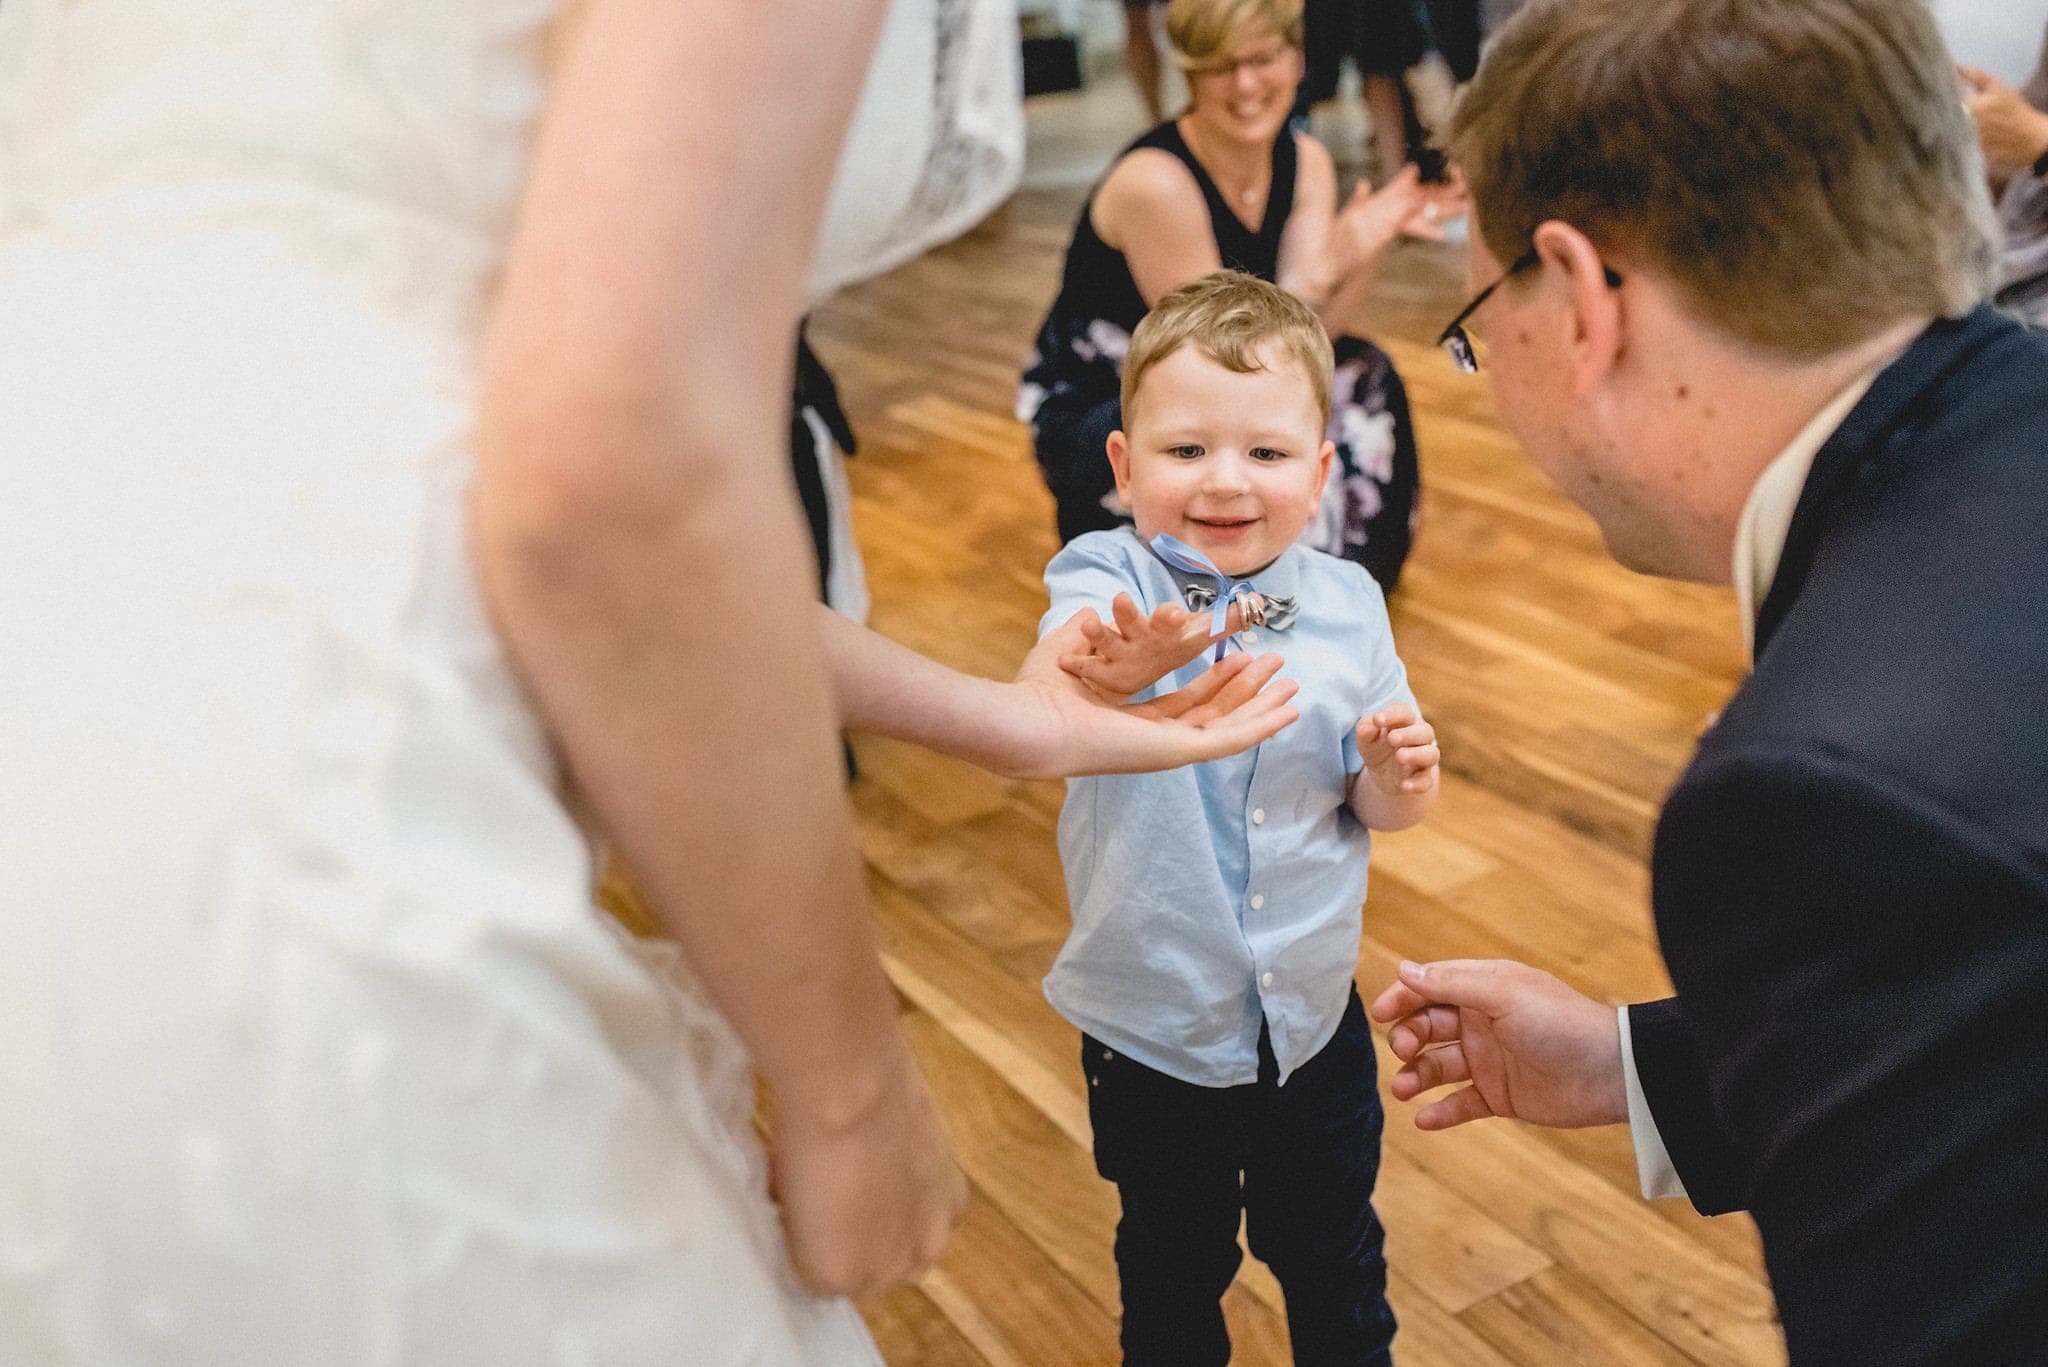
(1140, 650)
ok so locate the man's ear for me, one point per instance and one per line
(1593, 319)
(1119, 449)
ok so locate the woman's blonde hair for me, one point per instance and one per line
(1201, 31)
(1230, 317)
(1803, 170)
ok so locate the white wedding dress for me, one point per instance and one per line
(313, 1048)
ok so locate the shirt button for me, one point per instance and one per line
(1251, 638)
(1265, 980)
(1258, 816)
(1258, 900)
(1107, 1055)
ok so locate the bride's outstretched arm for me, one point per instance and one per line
(1048, 723)
(629, 493)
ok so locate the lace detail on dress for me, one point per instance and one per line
(950, 71)
(977, 148)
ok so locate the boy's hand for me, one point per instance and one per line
(1400, 750)
(1140, 650)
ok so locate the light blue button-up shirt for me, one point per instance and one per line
(1214, 897)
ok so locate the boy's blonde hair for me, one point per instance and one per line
(1803, 170)
(1201, 31)
(1230, 316)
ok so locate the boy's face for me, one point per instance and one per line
(1231, 464)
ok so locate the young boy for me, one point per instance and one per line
(1217, 908)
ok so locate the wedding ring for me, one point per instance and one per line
(1253, 609)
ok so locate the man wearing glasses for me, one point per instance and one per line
(1740, 323)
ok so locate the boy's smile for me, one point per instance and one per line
(1233, 464)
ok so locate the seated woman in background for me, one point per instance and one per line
(2013, 127)
(1228, 184)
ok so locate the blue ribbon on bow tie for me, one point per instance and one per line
(1279, 614)
(1188, 560)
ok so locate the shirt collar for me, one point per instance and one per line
(1767, 514)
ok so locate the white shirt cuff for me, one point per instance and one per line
(1654, 1173)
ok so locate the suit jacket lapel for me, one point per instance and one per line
(1886, 411)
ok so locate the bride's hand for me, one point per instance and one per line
(1055, 725)
(869, 1199)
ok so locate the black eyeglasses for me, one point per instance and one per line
(1457, 344)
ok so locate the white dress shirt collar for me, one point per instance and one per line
(1767, 514)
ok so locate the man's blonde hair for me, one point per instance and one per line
(1803, 170)
(1230, 317)
(1202, 31)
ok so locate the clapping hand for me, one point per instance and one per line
(1403, 207)
(1140, 649)
(2013, 132)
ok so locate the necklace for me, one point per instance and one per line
(1249, 196)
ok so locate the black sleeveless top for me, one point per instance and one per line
(1078, 359)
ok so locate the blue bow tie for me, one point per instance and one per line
(1257, 609)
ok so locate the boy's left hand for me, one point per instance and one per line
(1399, 749)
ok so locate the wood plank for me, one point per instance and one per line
(909, 1328)
(1554, 1317)
(1710, 1310)
(1448, 1248)
(1010, 1302)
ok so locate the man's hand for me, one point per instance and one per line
(1531, 1048)
(1140, 650)
(1399, 749)
(867, 1199)
(2013, 132)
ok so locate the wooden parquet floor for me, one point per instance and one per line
(1568, 693)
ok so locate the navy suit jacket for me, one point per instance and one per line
(1851, 883)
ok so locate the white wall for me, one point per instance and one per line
(2002, 36)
